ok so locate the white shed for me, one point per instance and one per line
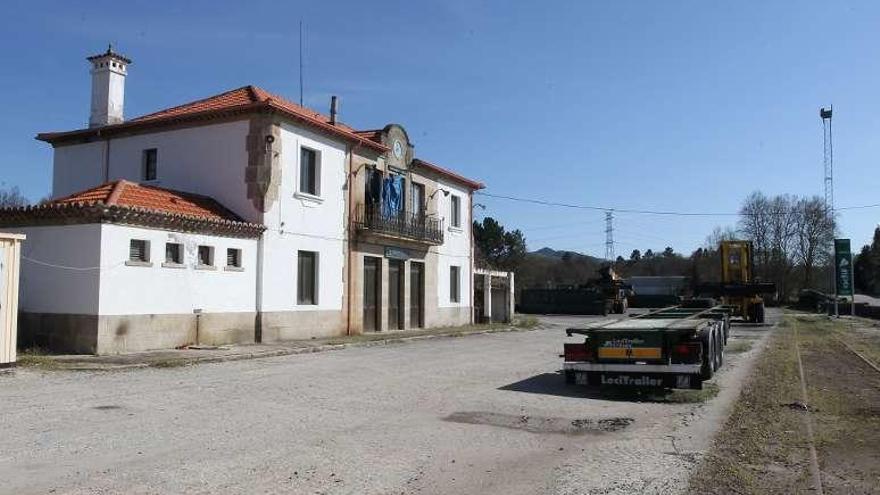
(10, 257)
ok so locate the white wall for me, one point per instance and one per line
(456, 247)
(70, 284)
(156, 289)
(208, 160)
(77, 167)
(296, 222)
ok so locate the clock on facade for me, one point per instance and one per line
(397, 149)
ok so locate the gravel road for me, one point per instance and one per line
(479, 414)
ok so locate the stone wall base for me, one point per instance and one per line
(449, 317)
(297, 325)
(115, 334)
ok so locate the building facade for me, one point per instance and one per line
(288, 224)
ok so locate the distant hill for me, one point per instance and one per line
(548, 252)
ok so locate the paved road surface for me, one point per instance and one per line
(480, 414)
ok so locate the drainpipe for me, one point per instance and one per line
(471, 236)
(348, 284)
(258, 298)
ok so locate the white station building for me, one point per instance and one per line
(237, 218)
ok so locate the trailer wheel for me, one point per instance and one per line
(569, 377)
(759, 312)
(708, 368)
(719, 347)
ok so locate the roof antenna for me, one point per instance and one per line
(300, 62)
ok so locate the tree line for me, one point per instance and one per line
(792, 238)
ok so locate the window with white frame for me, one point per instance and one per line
(309, 172)
(139, 251)
(455, 284)
(205, 257)
(455, 205)
(233, 258)
(307, 278)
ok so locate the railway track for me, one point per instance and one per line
(857, 353)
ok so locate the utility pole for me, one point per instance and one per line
(609, 235)
(828, 159)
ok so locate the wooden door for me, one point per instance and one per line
(372, 278)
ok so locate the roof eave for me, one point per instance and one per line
(55, 138)
(64, 136)
(470, 183)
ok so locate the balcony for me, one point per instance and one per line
(419, 228)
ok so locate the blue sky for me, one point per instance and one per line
(685, 106)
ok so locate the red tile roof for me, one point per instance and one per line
(156, 199)
(448, 173)
(128, 203)
(240, 100)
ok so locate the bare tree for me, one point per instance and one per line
(719, 234)
(815, 231)
(754, 224)
(12, 197)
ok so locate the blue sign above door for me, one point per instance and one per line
(396, 253)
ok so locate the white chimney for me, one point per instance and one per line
(108, 87)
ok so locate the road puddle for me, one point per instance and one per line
(538, 424)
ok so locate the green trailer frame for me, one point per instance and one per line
(702, 325)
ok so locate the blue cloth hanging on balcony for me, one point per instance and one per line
(392, 196)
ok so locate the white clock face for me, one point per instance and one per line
(398, 149)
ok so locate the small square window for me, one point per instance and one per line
(151, 163)
(456, 211)
(206, 256)
(139, 251)
(309, 172)
(233, 258)
(173, 253)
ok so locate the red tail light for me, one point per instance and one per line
(578, 352)
(688, 352)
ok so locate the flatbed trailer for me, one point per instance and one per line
(673, 347)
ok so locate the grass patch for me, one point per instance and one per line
(525, 322)
(738, 346)
(683, 396)
(36, 358)
(759, 448)
(170, 363)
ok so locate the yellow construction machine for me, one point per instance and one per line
(738, 289)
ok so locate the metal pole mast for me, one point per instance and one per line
(828, 159)
(609, 235)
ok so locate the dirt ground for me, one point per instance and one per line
(485, 414)
(765, 445)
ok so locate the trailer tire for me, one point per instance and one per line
(719, 347)
(570, 378)
(726, 322)
(708, 365)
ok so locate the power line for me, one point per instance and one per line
(642, 212)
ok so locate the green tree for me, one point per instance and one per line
(498, 248)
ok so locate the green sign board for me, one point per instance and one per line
(843, 267)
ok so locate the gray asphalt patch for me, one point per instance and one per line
(537, 424)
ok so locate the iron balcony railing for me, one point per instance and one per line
(422, 228)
